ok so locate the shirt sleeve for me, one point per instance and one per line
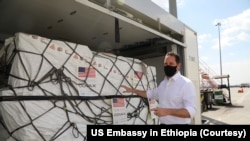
(152, 94)
(189, 99)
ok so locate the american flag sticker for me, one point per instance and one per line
(119, 110)
(118, 102)
(138, 74)
(86, 72)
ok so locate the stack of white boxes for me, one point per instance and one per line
(45, 67)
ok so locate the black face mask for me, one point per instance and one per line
(170, 70)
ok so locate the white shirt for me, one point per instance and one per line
(176, 92)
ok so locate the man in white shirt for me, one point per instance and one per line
(175, 94)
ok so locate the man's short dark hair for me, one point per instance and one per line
(177, 57)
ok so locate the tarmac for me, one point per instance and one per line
(237, 112)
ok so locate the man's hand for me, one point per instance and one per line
(135, 91)
(127, 89)
(205, 76)
(160, 111)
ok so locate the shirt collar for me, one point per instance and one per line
(175, 77)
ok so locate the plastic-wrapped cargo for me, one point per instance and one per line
(56, 88)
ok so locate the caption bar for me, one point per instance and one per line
(142, 132)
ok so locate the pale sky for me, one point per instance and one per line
(234, 16)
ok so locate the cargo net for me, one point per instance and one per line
(56, 88)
